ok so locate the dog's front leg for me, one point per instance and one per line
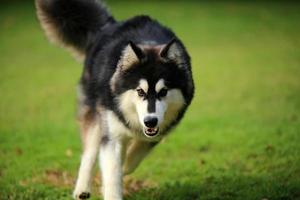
(91, 149)
(136, 152)
(110, 162)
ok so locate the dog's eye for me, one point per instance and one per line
(163, 92)
(141, 93)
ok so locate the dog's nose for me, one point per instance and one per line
(150, 122)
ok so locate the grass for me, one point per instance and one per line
(240, 138)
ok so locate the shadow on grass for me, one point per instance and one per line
(168, 191)
(224, 188)
(233, 187)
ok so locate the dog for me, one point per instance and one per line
(135, 87)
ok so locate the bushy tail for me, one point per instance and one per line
(72, 23)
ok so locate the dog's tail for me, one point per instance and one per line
(72, 23)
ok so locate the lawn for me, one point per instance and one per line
(240, 138)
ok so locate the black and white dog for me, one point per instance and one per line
(135, 87)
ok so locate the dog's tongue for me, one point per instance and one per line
(150, 130)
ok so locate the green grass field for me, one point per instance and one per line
(240, 138)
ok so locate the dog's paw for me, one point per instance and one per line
(82, 195)
(82, 190)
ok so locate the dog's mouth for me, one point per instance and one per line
(151, 132)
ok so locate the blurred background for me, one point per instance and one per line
(240, 138)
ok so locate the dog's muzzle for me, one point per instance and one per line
(150, 128)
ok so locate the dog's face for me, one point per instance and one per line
(156, 104)
(148, 86)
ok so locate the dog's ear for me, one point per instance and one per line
(131, 55)
(172, 51)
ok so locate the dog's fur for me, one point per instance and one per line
(135, 87)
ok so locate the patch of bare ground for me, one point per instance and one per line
(64, 179)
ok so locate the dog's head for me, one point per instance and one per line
(150, 85)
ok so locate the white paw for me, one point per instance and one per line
(81, 193)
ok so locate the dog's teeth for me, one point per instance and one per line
(151, 131)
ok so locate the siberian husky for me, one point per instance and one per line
(135, 86)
